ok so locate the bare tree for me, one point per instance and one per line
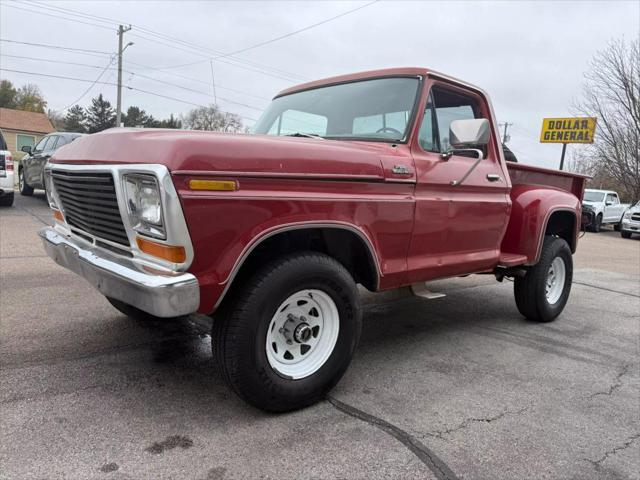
(612, 94)
(212, 118)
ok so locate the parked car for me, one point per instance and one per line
(31, 169)
(605, 208)
(6, 174)
(387, 178)
(631, 221)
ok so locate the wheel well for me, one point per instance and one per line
(563, 224)
(344, 245)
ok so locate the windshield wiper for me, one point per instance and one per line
(302, 134)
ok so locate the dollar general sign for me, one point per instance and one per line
(568, 130)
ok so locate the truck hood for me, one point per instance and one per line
(184, 151)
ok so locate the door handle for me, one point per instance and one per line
(493, 177)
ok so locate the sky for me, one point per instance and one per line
(529, 56)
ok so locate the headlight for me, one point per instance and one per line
(144, 204)
(627, 214)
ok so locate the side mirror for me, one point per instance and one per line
(469, 133)
(26, 149)
(608, 204)
(467, 136)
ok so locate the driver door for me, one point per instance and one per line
(458, 229)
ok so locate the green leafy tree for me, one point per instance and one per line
(29, 98)
(76, 120)
(7, 94)
(100, 115)
(135, 117)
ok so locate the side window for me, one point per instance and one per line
(62, 141)
(41, 144)
(611, 198)
(443, 107)
(51, 144)
(452, 106)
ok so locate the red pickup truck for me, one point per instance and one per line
(385, 178)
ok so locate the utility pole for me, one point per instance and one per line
(505, 138)
(121, 30)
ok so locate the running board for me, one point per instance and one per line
(421, 290)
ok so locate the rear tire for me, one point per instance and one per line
(625, 234)
(251, 338)
(25, 189)
(542, 293)
(7, 200)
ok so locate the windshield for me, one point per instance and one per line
(594, 196)
(378, 109)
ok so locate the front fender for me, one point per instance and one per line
(532, 207)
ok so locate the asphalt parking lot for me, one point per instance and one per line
(453, 388)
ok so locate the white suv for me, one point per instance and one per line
(606, 206)
(6, 174)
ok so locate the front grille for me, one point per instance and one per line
(635, 217)
(90, 204)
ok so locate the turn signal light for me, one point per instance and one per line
(215, 185)
(57, 214)
(174, 254)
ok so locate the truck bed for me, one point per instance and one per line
(529, 175)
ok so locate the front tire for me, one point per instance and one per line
(597, 226)
(625, 234)
(287, 337)
(542, 293)
(25, 189)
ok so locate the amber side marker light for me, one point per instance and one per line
(167, 252)
(57, 214)
(213, 185)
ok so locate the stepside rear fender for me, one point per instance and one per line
(536, 211)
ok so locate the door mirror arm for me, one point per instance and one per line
(455, 183)
(457, 151)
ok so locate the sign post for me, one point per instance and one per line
(567, 130)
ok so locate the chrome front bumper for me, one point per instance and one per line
(163, 294)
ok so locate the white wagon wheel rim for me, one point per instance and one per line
(556, 276)
(302, 334)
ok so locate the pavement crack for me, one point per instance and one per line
(606, 289)
(598, 463)
(424, 453)
(471, 420)
(617, 382)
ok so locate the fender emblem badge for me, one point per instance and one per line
(401, 170)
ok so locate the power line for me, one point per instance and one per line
(257, 67)
(92, 85)
(218, 86)
(37, 12)
(295, 32)
(272, 40)
(57, 47)
(114, 84)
